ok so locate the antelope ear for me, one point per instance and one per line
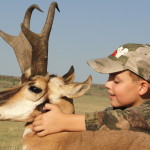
(77, 90)
(69, 76)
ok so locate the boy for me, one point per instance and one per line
(129, 92)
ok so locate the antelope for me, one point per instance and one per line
(37, 87)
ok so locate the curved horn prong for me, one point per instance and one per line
(20, 44)
(49, 20)
(39, 43)
(28, 14)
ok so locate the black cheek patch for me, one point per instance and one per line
(40, 107)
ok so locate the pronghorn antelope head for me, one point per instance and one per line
(23, 102)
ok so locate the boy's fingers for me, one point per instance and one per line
(38, 128)
(36, 123)
(49, 107)
(38, 118)
(42, 133)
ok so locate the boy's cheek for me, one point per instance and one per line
(117, 102)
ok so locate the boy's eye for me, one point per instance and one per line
(116, 81)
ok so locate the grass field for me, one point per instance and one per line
(11, 132)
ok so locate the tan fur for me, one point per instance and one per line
(66, 105)
(87, 140)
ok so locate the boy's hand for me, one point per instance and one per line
(55, 121)
(49, 122)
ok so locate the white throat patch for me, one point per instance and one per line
(18, 110)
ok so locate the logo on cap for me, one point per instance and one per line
(120, 51)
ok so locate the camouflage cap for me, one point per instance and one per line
(133, 57)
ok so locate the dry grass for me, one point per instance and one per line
(11, 135)
(90, 103)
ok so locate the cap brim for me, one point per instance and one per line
(106, 65)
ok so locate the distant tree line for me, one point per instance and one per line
(9, 78)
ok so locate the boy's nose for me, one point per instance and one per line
(108, 84)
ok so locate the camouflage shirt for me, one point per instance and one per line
(134, 118)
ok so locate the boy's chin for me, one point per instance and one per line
(116, 104)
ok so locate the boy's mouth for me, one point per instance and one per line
(110, 95)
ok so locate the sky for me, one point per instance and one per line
(82, 30)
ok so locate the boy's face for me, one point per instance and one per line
(122, 90)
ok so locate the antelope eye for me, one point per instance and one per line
(35, 89)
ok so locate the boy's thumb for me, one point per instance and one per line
(48, 107)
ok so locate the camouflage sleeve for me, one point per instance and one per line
(134, 118)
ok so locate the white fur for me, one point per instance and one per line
(27, 131)
(56, 89)
(18, 110)
(24, 147)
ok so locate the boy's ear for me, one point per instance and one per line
(144, 87)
